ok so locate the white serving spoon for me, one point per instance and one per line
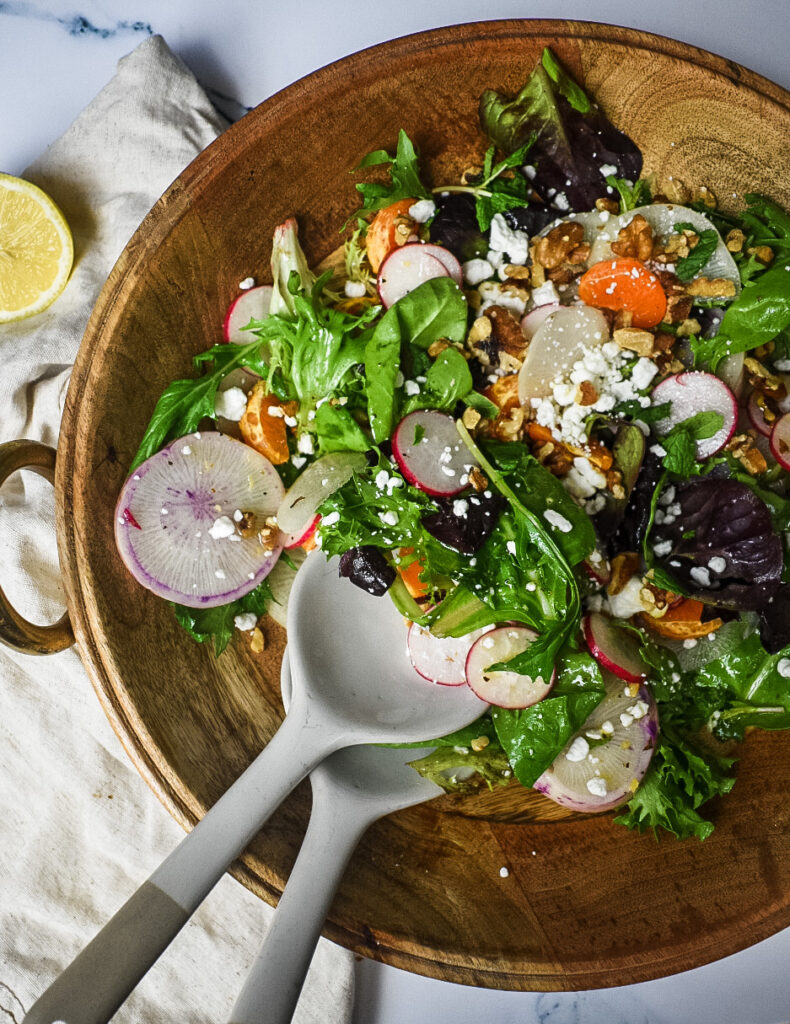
(351, 789)
(352, 683)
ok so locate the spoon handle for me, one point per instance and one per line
(275, 981)
(95, 984)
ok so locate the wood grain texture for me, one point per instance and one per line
(586, 904)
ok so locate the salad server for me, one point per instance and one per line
(351, 789)
(352, 684)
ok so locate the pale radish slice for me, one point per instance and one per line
(250, 305)
(440, 659)
(179, 516)
(662, 218)
(780, 441)
(602, 766)
(321, 478)
(405, 269)
(559, 342)
(298, 537)
(694, 392)
(531, 321)
(613, 648)
(731, 371)
(502, 688)
(430, 453)
(447, 259)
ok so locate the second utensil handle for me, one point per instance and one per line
(275, 981)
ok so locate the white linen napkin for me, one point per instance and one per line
(79, 829)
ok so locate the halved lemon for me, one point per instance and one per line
(36, 250)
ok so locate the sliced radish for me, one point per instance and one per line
(441, 659)
(601, 767)
(531, 321)
(613, 648)
(447, 259)
(298, 537)
(598, 568)
(250, 305)
(504, 689)
(691, 393)
(405, 269)
(756, 417)
(176, 524)
(780, 441)
(431, 454)
(556, 345)
(731, 371)
(321, 478)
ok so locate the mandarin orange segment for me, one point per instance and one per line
(391, 227)
(263, 425)
(625, 284)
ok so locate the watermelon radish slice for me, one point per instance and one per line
(405, 269)
(250, 305)
(780, 441)
(178, 515)
(690, 393)
(504, 689)
(601, 767)
(297, 510)
(431, 454)
(440, 659)
(447, 259)
(613, 648)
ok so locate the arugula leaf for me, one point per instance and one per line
(404, 177)
(216, 624)
(435, 309)
(631, 195)
(692, 264)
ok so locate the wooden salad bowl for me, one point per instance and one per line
(586, 903)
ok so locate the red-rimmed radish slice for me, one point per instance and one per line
(780, 441)
(504, 689)
(440, 659)
(431, 454)
(531, 321)
(602, 766)
(447, 259)
(298, 537)
(613, 648)
(405, 269)
(694, 392)
(250, 305)
(317, 482)
(556, 345)
(176, 523)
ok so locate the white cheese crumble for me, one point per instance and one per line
(578, 750)
(476, 271)
(545, 294)
(700, 575)
(246, 622)
(389, 518)
(597, 786)
(230, 404)
(305, 444)
(783, 667)
(559, 521)
(330, 519)
(411, 387)
(503, 872)
(503, 238)
(355, 289)
(422, 210)
(717, 564)
(247, 283)
(223, 527)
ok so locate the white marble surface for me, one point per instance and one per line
(56, 54)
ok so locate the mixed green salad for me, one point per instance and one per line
(546, 411)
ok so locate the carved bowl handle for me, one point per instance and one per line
(16, 631)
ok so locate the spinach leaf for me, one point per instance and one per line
(435, 309)
(338, 431)
(216, 624)
(533, 737)
(692, 264)
(404, 177)
(447, 381)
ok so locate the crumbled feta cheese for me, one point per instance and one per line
(700, 575)
(782, 365)
(503, 238)
(503, 872)
(411, 387)
(583, 479)
(476, 271)
(223, 527)
(545, 294)
(657, 449)
(305, 444)
(297, 461)
(717, 564)
(494, 293)
(355, 289)
(783, 667)
(330, 519)
(460, 507)
(389, 518)
(607, 170)
(230, 404)
(246, 621)
(247, 283)
(662, 549)
(690, 644)
(597, 786)
(578, 750)
(629, 601)
(559, 521)
(644, 371)
(422, 210)
(511, 547)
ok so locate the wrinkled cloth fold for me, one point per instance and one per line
(79, 828)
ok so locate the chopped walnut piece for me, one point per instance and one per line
(763, 380)
(624, 566)
(607, 206)
(614, 481)
(743, 448)
(689, 328)
(507, 332)
(479, 743)
(704, 195)
(504, 392)
(438, 346)
(478, 479)
(762, 253)
(580, 254)
(634, 339)
(257, 642)
(635, 239)
(562, 275)
(710, 288)
(268, 533)
(516, 272)
(480, 341)
(508, 424)
(554, 248)
(678, 308)
(664, 341)
(470, 418)
(735, 240)
(586, 394)
(675, 191)
(622, 319)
